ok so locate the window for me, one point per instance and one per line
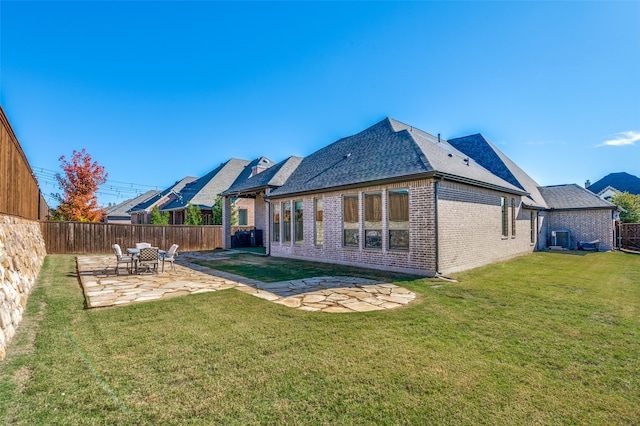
(398, 219)
(373, 220)
(319, 217)
(533, 227)
(505, 216)
(242, 217)
(297, 225)
(275, 234)
(513, 217)
(351, 220)
(286, 229)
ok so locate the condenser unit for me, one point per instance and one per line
(561, 238)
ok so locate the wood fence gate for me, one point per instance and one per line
(629, 236)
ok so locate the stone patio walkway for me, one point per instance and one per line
(102, 287)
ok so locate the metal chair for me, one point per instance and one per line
(142, 245)
(170, 256)
(121, 260)
(148, 258)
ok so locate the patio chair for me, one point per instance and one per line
(121, 260)
(170, 256)
(148, 258)
(142, 245)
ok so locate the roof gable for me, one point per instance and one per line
(491, 158)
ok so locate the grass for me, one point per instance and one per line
(549, 338)
(275, 269)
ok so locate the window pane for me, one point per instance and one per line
(399, 206)
(351, 220)
(276, 223)
(299, 231)
(242, 217)
(533, 227)
(399, 239)
(505, 216)
(373, 238)
(398, 219)
(286, 229)
(513, 217)
(319, 225)
(373, 220)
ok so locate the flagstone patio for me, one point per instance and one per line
(103, 288)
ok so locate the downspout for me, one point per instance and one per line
(435, 210)
(268, 225)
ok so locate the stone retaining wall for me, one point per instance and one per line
(22, 253)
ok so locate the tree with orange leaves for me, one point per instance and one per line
(80, 184)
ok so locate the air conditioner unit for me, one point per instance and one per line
(561, 238)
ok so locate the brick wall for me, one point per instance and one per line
(470, 227)
(585, 225)
(249, 205)
(420, 258)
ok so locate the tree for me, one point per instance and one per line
(194, 215)
(158, 218)
(217, 212)
(80, 183)
(631, 204)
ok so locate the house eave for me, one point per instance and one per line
(404, 178)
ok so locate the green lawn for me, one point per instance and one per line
(276, 269)
(550, 338)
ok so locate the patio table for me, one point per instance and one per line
(135, 252)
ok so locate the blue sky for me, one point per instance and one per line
(156, 91)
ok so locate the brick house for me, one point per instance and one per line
(204, 191)
(396, 198)
(614, 183)
(120, 212)
(141, 212)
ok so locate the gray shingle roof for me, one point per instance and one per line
(623, 182)
(572, 196)
(204, 191)
(122, 209)
(388, 150)
(158, 197)
(491, 158)
(274, 176)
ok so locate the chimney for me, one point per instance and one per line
(587, 183)
(262, 165)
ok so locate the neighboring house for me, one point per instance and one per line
(203, 191)
(141, 212)
(120, 213)
(614, 183)
(245, 207)
(394, 197)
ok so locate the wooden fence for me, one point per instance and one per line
(630, 236)
(19, 192)
(85, 237)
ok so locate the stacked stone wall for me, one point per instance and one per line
(22, 252)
